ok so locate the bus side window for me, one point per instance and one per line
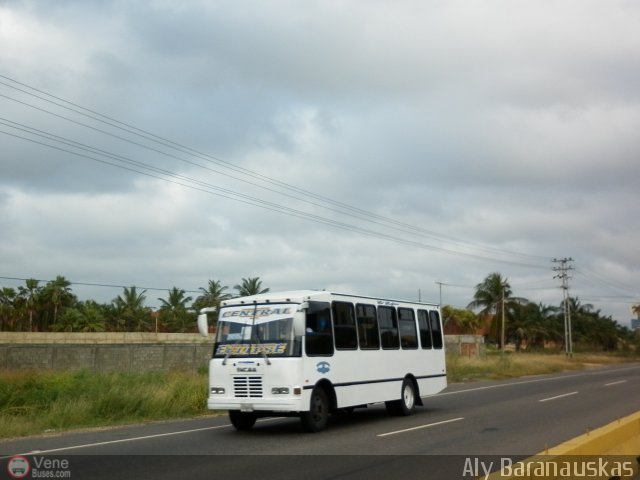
(368, 334)
(318, 336)
(344, 326)
(425, 329)
(408, 333)
(435, 329)
(388, 323)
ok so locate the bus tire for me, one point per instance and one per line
(407, 403)
(317, 417)
(242, 420)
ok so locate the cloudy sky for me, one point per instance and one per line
(374, 147)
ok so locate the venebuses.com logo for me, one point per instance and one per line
(18, 467)
(38, 467)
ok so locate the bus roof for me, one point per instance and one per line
(299, 296)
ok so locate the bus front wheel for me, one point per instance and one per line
(317, 417)
(242, 420)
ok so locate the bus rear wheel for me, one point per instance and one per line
(407, 403)
(317, 417)
(242, 420)
(408, 398)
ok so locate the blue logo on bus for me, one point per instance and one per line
(323, 367)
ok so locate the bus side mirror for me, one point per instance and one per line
(203, 325)
(298, 329)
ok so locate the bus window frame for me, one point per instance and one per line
(428, 333)
(434, 316)
(408, 322)
(394, 318)
(319, 336)
(361, 334)
(349, 330)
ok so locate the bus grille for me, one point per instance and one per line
(247, 387)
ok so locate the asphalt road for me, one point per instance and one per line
(448, 438)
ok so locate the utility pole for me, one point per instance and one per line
(564, 276)
(440, 284)
(502, 334)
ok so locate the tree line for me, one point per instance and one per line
(53, 307)
(534, 325)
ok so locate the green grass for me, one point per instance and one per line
(33, 403)
(496, 366)
(41, 402)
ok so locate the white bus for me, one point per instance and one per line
(309, 353)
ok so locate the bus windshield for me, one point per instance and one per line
(253, 331)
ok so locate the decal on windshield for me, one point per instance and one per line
(239, 349)
(260, 312)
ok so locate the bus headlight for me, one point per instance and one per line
(217, 390)
(280, 391)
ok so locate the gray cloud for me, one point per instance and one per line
(511, 126)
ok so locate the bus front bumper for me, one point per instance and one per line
(270, 404)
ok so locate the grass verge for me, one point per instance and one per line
(40, 402)
(496, 366)
(50, 401)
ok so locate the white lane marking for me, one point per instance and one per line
(121, 440)
(533, 380)
(615, 383)
(131, 439)
(557, 396)
(488, 387)
(420, 426)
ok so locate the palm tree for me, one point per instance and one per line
(490, 295)
(58, 293)
(93, 319)
(464, 320)
(532, 324)
(29, 295)
(590, 328)
(176, 300)
(131, 310)
(552, 320)
(176, 308)
(636, 310)
(250, 286)
(7, 308)
(83, 317)
(212, 295)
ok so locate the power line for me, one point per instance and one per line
(222, 192)
(354, 211)
(106, 285)
(194, 158)
(182, 180)
(590, 274)
(72, 143)
(478, 251)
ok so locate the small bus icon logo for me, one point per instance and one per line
(18, 467)
(323, 367)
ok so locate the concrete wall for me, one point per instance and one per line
(100, 338)
(131, 351)
(465, 345)
(104, 352)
